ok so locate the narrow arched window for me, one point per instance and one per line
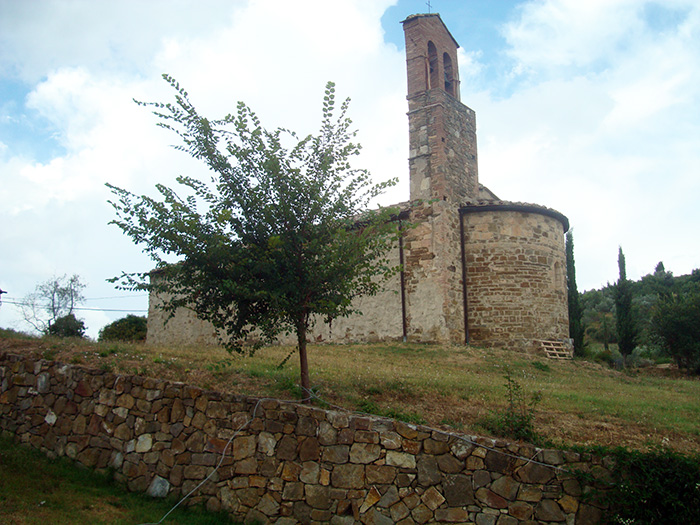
(432, 66)
(449, 78)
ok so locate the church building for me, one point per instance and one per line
(475, 269)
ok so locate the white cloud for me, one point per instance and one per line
(93, 58)
(602, 124)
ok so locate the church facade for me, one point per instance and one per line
(475, 269)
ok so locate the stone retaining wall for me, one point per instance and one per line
(289, 463)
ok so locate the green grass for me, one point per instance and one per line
(38, 490)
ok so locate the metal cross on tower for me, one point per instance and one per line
(429, 6)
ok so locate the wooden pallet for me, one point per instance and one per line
(557, 349)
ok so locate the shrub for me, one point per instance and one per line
(517, 419)
(653, 488)
(675, 323)
(67, 326)
(129, 328)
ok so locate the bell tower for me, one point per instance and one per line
(442, 130)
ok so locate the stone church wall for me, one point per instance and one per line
(516, 284)
(281, 462)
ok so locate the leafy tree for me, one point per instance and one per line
(675, 322)
(576, 326)
(67, 326)
(129, 328)
(279, 236)
(626, 329)
(51, 300)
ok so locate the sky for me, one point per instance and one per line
(591, 108)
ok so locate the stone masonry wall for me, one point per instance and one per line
(516, 282)
(287, 463)
(380, 321)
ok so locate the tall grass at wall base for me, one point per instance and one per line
(36, 490)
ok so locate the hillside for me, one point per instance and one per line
(444, 386)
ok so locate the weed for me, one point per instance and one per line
(517, 419)
(49, 354)
(544, 367)
(219, 366)
(449, 422)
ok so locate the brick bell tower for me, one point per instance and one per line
(442, 130)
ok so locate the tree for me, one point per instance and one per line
(129, 328)
(626, 329)
(67, 326)
(279, 236)
(675, 321)
(51, 300)
(576, 326)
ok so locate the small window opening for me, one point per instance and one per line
(449, 79)
(433, 66)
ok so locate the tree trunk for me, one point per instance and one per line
(303, 360)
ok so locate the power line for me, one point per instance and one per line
(115, 297)
(16, 303)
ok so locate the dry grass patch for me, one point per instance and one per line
(442, 385)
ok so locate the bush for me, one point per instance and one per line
(656, 487)
(675, 323)
(517, 419)
(129, 328)
(67, 326)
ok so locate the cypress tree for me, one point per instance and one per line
(626, 329)
(576, 326)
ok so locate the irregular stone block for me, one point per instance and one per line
(336, 454)
(158, 488)
(428, 472)
(549, 510)
(390, 497)
(348, 476)
(506, 486)
(309, 450)
(373, 496)
(317, 496)
(534, 473)
(458, 491)
(380, 474)
(364, 453)
(491, 499)
(432, 498)
(400, 459)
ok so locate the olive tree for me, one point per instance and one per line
(279, 235)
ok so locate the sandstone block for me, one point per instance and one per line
(549, 510)
(491, 499)
(432, 498)
(400, 459)
(373, 496)
(364, 452)
(348, 476)
(336, 454)
(317, 496)
(380, 474)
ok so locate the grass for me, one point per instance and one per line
(38, 490)
(454, 386)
